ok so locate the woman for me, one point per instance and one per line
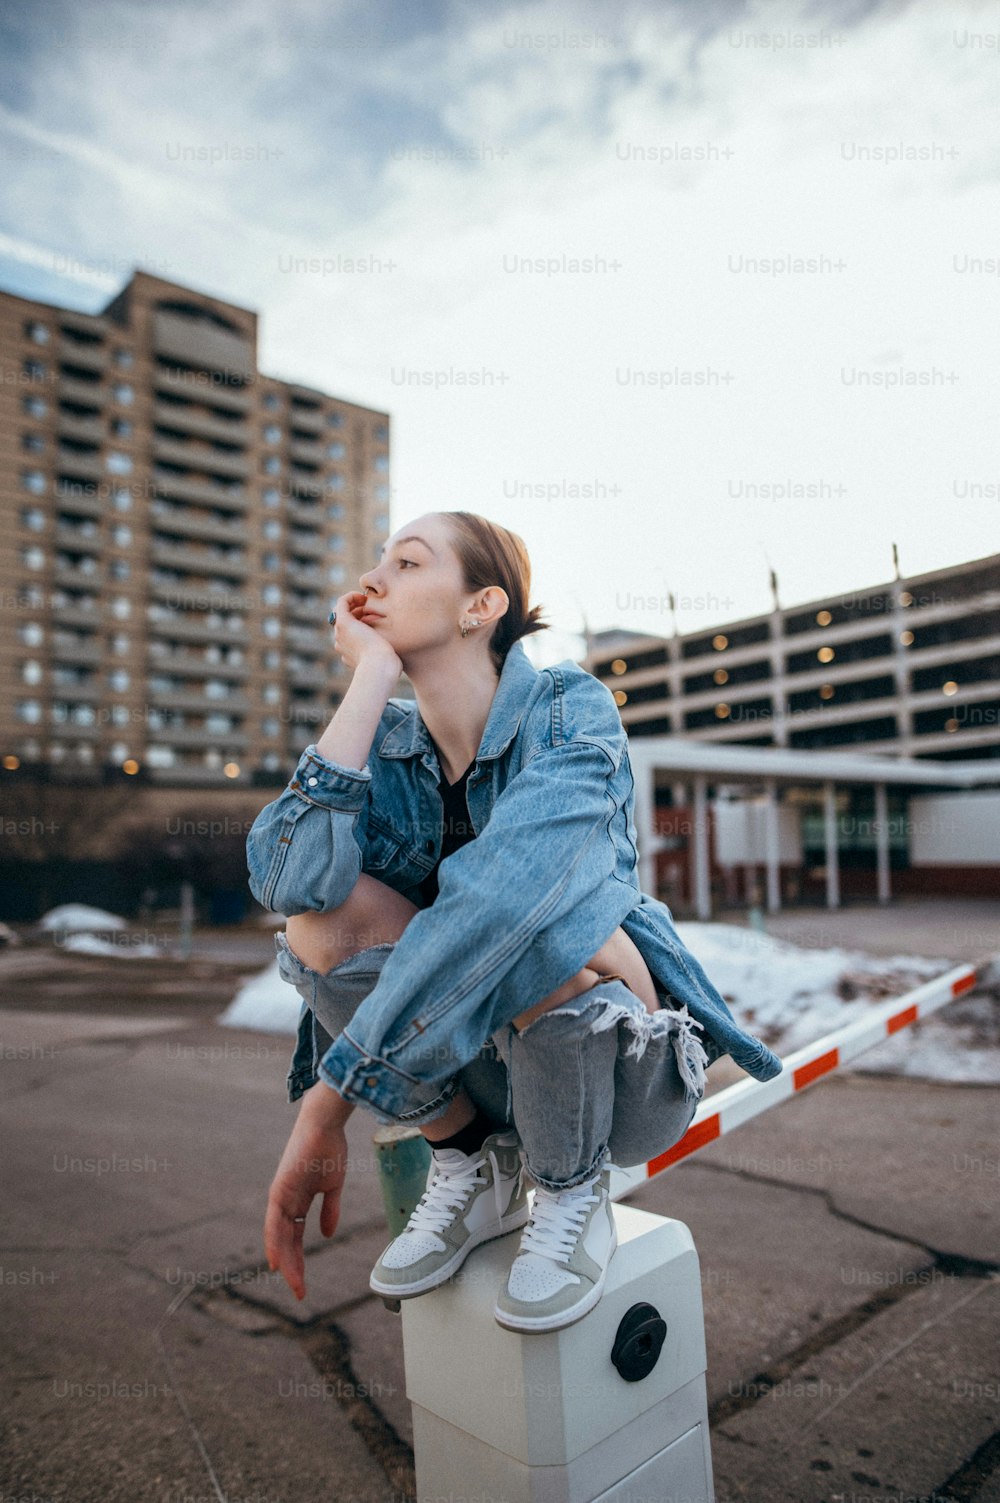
(447, 869)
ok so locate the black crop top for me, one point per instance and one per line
(457, 829)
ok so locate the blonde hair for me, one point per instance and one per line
(492, 555)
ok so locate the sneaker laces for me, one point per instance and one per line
(448, 1191)
(556, 1220)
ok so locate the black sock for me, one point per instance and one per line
(470, 1137)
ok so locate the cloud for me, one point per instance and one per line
(411, 205)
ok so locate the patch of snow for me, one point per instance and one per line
(90, 944)
(75, 918)
(789, 995)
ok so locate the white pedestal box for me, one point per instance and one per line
(505, 1417)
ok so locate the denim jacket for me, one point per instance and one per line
(550, 876)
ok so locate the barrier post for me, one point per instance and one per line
(613, 1408)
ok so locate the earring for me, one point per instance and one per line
(472, 622)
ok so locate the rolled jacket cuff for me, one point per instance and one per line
(317, 780)
(388, 1093)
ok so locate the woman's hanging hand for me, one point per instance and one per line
(314, 1163)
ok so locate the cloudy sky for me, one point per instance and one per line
(676, 291)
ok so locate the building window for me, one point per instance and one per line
(272, 694)
(335, 419)
(119, 680)
(272, 401)
(122, 535)
(270, 727)
(272, 528)
(119, 752)
(31, 634)
(271, 562)
(121, 500)
(335, 482)
(34, 370)
(123, 393)
(35, 406)
(381, 521)
(271, 627)
(121, 427)
(381, 493)
(33, 517)
(120, 568)
(272, 464)
(119, 715)
(335, 450)
(118, 463)
(272, 496)
(37, 332)
(271, 594)
(33, 558)
(119, 643)
(335, 511)
(272, 434)
(34, 480)
(31, 672)
(123, 359)
(381, 463)
(218, 725)
(160, 756)
(335, 543)
(121, 607)
(336, 574)
(33, 443)
(272, 660)
(30, 711)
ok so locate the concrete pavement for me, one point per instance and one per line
(848, 1241)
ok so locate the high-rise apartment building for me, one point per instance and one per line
(909, 667)
(176, 527)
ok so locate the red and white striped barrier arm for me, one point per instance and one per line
(736, 1104)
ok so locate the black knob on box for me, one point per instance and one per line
(638, 1342)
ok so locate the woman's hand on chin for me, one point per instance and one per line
(358, 642)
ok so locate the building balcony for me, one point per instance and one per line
(193, 775)
(191, 628)
(199, 560)
(193, 524)
(188, 735)
(82, 502)
(308, 678)
(310, 422)
(189, 699)
(69, 649)
(197, 386)
(87, 323)
(201, 491)
(85, 466)
(301, 451)
(70, 426)
(71, 574)
(91, 356)
(88, 692)
(197, 457)
(192, 665)
(310, 514)
(199, 423)
(68, 730)
(82, 539)
(76, 615)
(300, 545)
(92, 393)
(310, 640)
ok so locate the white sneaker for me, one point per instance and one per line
(470, 1198)
(560, 1269)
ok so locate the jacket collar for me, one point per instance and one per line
(410, 737)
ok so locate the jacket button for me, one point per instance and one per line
(371, 1080)
(312, 782)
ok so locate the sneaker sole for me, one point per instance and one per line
(564, 1317)
(510, 1223)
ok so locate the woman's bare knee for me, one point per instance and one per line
(373, 914)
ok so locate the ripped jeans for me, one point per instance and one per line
(596, 1079)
